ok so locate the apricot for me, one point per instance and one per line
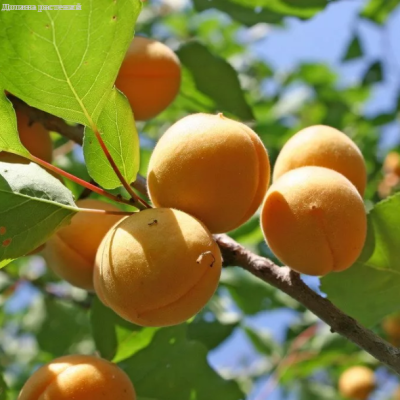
(211, 167)
(391, 326)
(392, 163)
(71, 252)
(34, 137)
(158, 267)
(150, 77)
(78, 377)
(314, 220)
(323, 146)
(357, 383)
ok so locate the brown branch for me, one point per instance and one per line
(282, 278)
(50, 122)
(290, 283)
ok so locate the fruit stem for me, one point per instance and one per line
(136, 199)
(79, 181)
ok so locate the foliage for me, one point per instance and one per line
(67, 66)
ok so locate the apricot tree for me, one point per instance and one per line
(129, 279)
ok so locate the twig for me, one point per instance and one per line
(74, 133)
(290, 283)
(284, 279)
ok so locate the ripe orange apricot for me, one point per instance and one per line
(392, 163)
(391, 326)
(357, 383)
(34, 137)
(314, 220)
(71, 252)
(78, 377)
(158, 267)
(150, 77)
(211, 167)
(323, 146)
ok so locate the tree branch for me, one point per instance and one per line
(290, 283)
(282, 278)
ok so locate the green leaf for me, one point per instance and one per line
(3, 387)
(373, 74)
(241, 13)
(115, 338)
(64, 327)
(118, 131)
(354, 50)
(268, 11)
(295, 8)
(210, 333)
(174, 368)
(9, 138)
(263, 341)
(215, 78)
(316, 74)
(263, 296)
(369, 290)
(383, 119)
(66, 62)
(379, 10)
(33, 205)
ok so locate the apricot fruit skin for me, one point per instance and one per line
(392, 163)
(71, 252)
(357, 383)
(391, 326)
(78, 377)
(211, 167)
(314, 220)
(34, 137)
(150, 77)
(323, 146)
(158, 267)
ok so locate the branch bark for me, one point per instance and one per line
(282, 278)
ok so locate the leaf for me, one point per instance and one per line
(242, 13)
(33, 205)
(43, 61)
(354, 50)
(295, 8)
(378, 11)
(174, 368)
(215, 78)
(373, 74)
(117, 128)
(369, 290)
(263, 296)
(64, 327)
(317, 74)
(9, 138)
(3, 387)
(262, 341)
(115, 338)
(268, 11)
(210, 333)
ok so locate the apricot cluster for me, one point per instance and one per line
(313, 215)
(357, 383)
(78, 377)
